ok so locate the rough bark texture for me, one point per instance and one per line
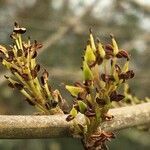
(14, 127)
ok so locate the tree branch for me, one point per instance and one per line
(14, 127)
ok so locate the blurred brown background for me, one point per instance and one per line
(62, 26)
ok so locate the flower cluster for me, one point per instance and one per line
(20, 59)
(103, 77)
(105, 70)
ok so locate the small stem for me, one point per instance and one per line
(47, 90)
(17, 42)
(36, 103)
(20, 41)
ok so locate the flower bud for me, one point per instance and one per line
(92, 41)
(101, 50)
(88, 75)
(82, 106)
(73, 112)
(115, 46)
(74, 90)
(89, 56)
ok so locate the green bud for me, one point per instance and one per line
(101, 50)
(115, 46)
(74, 90)
(88, 75)
(82, 106)
(89, 55)
(92, 42)
(73, 112)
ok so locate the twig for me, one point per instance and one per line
(27, 127)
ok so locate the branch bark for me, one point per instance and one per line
(21, 127)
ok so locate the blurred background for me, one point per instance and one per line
(63, 27)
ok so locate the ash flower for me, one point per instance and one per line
(20, 59)
(102, 77)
